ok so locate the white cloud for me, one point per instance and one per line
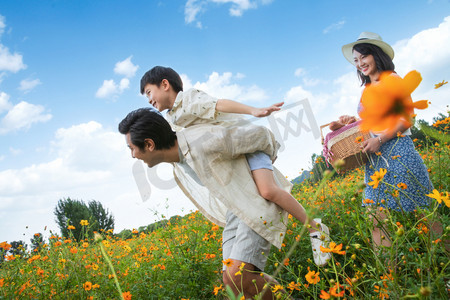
(222, 86)
(124, 84)
(88, 162)
(21, 116)
(427, 52)
(126, 68)
(10, 62)
(4, 102)
(194, 8)
(27, 85)
(334, 27)
(110, 89)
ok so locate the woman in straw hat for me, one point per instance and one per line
(406, 173)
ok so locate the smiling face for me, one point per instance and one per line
(147, 154)
(159, 96)
(365, 63)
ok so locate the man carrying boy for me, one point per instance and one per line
(211, 169)
(164, 89)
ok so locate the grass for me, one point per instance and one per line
(183, 259)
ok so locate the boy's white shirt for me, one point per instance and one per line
(217, 156)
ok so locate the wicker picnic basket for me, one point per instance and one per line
(343, 144)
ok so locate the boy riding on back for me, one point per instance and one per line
(164, 90)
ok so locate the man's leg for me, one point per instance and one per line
(244, 278)
(247, 252)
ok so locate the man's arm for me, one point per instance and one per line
(230, 106)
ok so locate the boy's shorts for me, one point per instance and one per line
(242, 243)
(259, 160)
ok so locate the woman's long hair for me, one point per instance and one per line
(382, 61)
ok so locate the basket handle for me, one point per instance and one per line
(321, 133)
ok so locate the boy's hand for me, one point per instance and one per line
(266, 111)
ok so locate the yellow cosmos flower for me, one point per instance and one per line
(84, 223)
(277, 288)
(438, 85)
(377, 177)
(388, 102)
(440, 197)
(312, 277)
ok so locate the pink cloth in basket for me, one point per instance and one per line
(327, 152)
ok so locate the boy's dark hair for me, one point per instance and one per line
(382, 60)
(144, 123)
(157, 74)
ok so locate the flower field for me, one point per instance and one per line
(182, 259)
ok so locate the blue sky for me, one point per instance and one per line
(70, 71)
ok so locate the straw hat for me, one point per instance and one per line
(368, 38)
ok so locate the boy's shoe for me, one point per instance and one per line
(320, 238)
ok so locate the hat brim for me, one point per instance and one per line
(347, 50)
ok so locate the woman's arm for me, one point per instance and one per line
(230, 106)
(374, 144)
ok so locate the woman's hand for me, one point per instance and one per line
(335, 125)
(371, 145)
(345, 119)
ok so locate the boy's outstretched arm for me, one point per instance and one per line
(230, 106)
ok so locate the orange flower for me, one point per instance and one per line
(228, 262)
(70, 227)
(388, 103)
(377, 177)
(333, 248)
(293, 286)
(312, 277)
(334, 290)
(438, 85)
(359, 139)
(126, 295)
(217, 289)
(324, 295)
(402, 186)
(87, 286)
(5, 246)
